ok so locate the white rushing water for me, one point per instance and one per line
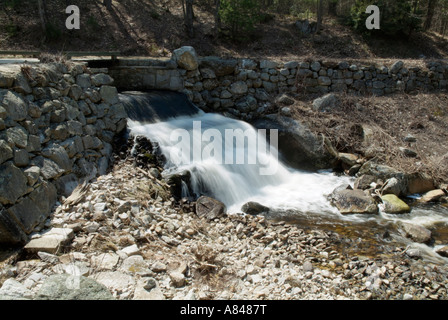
(216, 168)
(231, 161)
(199, 144)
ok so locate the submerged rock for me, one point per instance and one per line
(443, 251)
(178, 181)
(415, 232)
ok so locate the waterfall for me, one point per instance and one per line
(233, 162)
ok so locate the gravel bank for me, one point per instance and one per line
(125, 235)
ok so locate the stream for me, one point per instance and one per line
(231, 161)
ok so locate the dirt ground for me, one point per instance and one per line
(391, 118)
(156, 28)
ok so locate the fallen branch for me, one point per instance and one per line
(153, 178)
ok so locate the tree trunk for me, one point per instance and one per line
(183, 7)
(217, 17)
(430, 14)
(412, 27)
(43, 15)
(320, 13)
(189, 16)
(107, 4)
(332, 7)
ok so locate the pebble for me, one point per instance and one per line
(131, 250)
(150, 284)
(158, 267)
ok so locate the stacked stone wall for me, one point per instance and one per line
(57, 124)
(244, 87)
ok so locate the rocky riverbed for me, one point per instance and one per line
(124, 237)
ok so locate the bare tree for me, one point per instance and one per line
(189, 16)
(429, 14)
(320, 13)
(183, 6)
(43, 14)
(217, 17)
(107, 4)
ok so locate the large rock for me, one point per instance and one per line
(186, 58)
(415, 232)
(15, 105)
(6, 78)
(59, 155)
(35, 208)
(10, 231)
(21, 84)
(83, 80)
(394, 186)
(51, 241)
(68, 287)
(285, 100)
(393, 204)
(48, 168)
(431, 196)
(177, 182)
(326, 103)
(298, 146)
(348, 159)
(238, 88)
(14, 290)
(247, 104)
(396, 67)
(364, 182)
(17, 136)
(66, 184)
(419, 183)
(210, 208)
(254, 208)
(305, 27)
(109, 94)
(350, 201)
(13, 183)
(221, 67)
(100, 79)
(443, 251)
(379, 171)
(406, 183)
(5, 152)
